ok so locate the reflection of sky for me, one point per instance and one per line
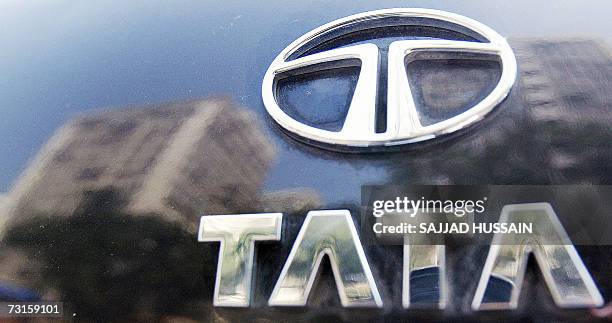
(61, 58)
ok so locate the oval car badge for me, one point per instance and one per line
(402, 117)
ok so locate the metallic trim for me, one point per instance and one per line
(403, 125)
(330, 233)
(569, 281)
(237, 235)
(424, 257)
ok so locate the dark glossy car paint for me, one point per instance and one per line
(67, 61)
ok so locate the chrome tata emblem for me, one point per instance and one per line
(402, 117)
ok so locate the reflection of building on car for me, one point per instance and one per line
(174, 162)
(548, 91)
(179, 160)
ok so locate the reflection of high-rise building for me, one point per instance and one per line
(567, 79)
(567, 82)
(178, 160)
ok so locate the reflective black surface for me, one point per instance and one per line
(100, 207)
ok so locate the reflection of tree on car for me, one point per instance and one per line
(107, 265)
